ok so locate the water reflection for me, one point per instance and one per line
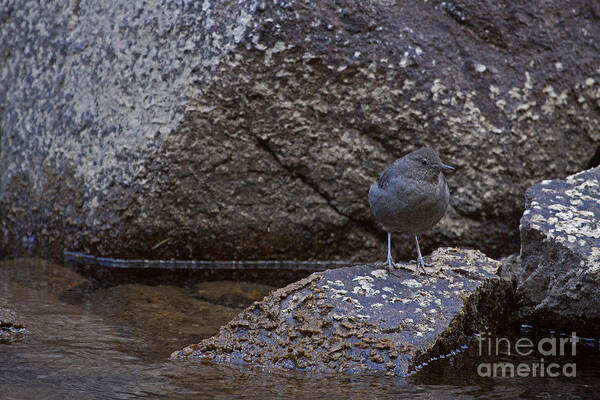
(87, 341)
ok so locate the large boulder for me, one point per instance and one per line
(226, 129)
(364, 318)
(558, 278)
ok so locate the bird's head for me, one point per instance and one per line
(426, 162)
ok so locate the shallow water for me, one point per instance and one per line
(87, 341)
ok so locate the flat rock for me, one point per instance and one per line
(363, 318)
(558, 281)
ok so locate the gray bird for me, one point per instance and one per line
(410, 196)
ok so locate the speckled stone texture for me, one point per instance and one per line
(250, 130)
(559, 276)
(362, 318)
(11, 329)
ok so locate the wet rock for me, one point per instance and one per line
(11, 329)
(558, 279)
(363, 318)
(253, 129)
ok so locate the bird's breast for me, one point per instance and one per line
(442, 191)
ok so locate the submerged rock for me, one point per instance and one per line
(364, 318)
(164, 311)
(11, 329)
(232, 293)
(558, 281)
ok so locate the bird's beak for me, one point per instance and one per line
(445, 168)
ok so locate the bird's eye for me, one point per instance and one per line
(423, 161)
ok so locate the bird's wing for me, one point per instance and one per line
(387, 175)
(408, 191)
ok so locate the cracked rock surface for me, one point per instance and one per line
(252, 130)
(558, 281)
(363, 318)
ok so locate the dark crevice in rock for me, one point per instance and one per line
(504, 227)
(595, 160)
(365, 225)
(263, 144)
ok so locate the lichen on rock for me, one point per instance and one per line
(558, 280)
(363, 317)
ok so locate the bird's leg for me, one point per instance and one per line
(390, 261)
(420, 262)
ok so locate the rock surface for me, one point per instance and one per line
(11, 329)
(362, 318)
(558, 280)
(225, 129)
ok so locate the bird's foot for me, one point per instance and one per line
(387, 263)
(390, 263)
(421, 264)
